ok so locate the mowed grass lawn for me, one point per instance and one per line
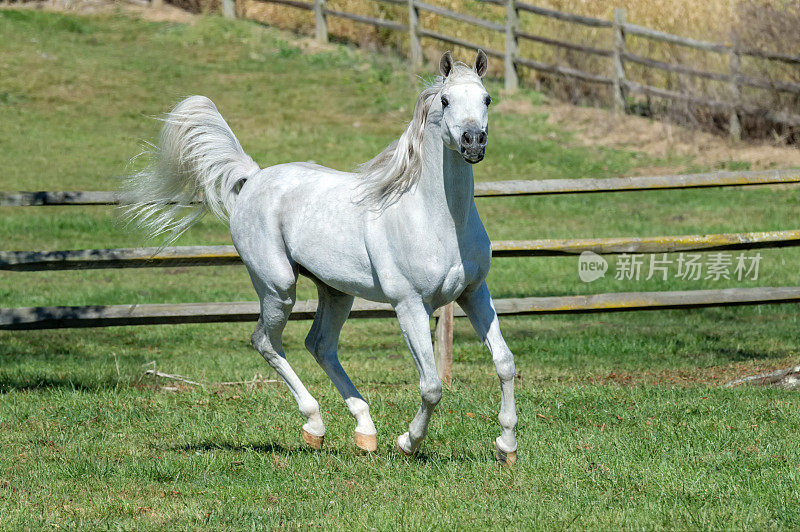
(622, 422)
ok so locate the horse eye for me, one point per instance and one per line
(487, 100)
(445, 101)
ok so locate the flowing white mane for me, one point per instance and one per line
(398, 167)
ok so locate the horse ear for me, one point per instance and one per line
(481, 63)
(446, 64)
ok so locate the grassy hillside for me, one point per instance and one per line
(766, 25)
(620, 422)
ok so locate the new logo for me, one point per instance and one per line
(591, 266)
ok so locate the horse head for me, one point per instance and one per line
(465, 107)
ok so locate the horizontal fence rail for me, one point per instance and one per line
(30, 318)
(630, 184)
(739, 79)
(564, 71)
(27, 199)
(674, 67)
(459, 42)
(461, 17)
(379, 22)
(653, 244)
(564, 44)
(776, 116)
(483, 189)
(294, 3)
(162, 314)
(720, 48)
(560, 15)
(88, 259)
(655, 35)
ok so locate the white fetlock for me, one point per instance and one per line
(506, 458)
(404, 445)
(312, 435)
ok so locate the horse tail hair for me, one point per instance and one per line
(197, 166)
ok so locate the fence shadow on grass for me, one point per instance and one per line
(422, 457)
(736, 354)
(54, 360)
(262, 447)
(22, 382)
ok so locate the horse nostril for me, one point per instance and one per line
(482, 138)
(466, 138)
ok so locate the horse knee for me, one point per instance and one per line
(431, 391)
(504, 364)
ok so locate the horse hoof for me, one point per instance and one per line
(402, 452)
(367, 442)
(506, 459)
(400, 449)
(315, 442)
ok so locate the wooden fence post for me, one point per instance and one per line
(320, 21)
(512, 46)
(443, 345)
(229, 8)
(413, 33)
(735, 62)
(618, 76)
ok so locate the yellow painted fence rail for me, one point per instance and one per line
(521, 187)
(91, 259)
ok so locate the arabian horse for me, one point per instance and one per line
(402, 229)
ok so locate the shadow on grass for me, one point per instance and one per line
(264, 447)
(734, 354)
(28, 383)
(462, 458)
(421, 457)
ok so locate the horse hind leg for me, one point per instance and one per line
(275, 310)
(323, 341)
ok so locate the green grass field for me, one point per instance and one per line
(622, 422)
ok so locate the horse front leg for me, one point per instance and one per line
(478, 306)
(414, 321)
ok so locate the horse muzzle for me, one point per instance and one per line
(473, 145)
(472, 158)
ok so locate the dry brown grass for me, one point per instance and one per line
(665, 141)
(709, 19)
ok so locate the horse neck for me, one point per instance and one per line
(446, 186)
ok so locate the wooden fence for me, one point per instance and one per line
(148, 314)
(618, 55)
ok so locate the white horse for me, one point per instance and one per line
(403, 229)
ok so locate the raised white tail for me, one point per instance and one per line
(197, 158)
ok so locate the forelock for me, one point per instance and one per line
(462, 73)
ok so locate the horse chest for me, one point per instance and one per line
(451, 262)
(441, 281)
